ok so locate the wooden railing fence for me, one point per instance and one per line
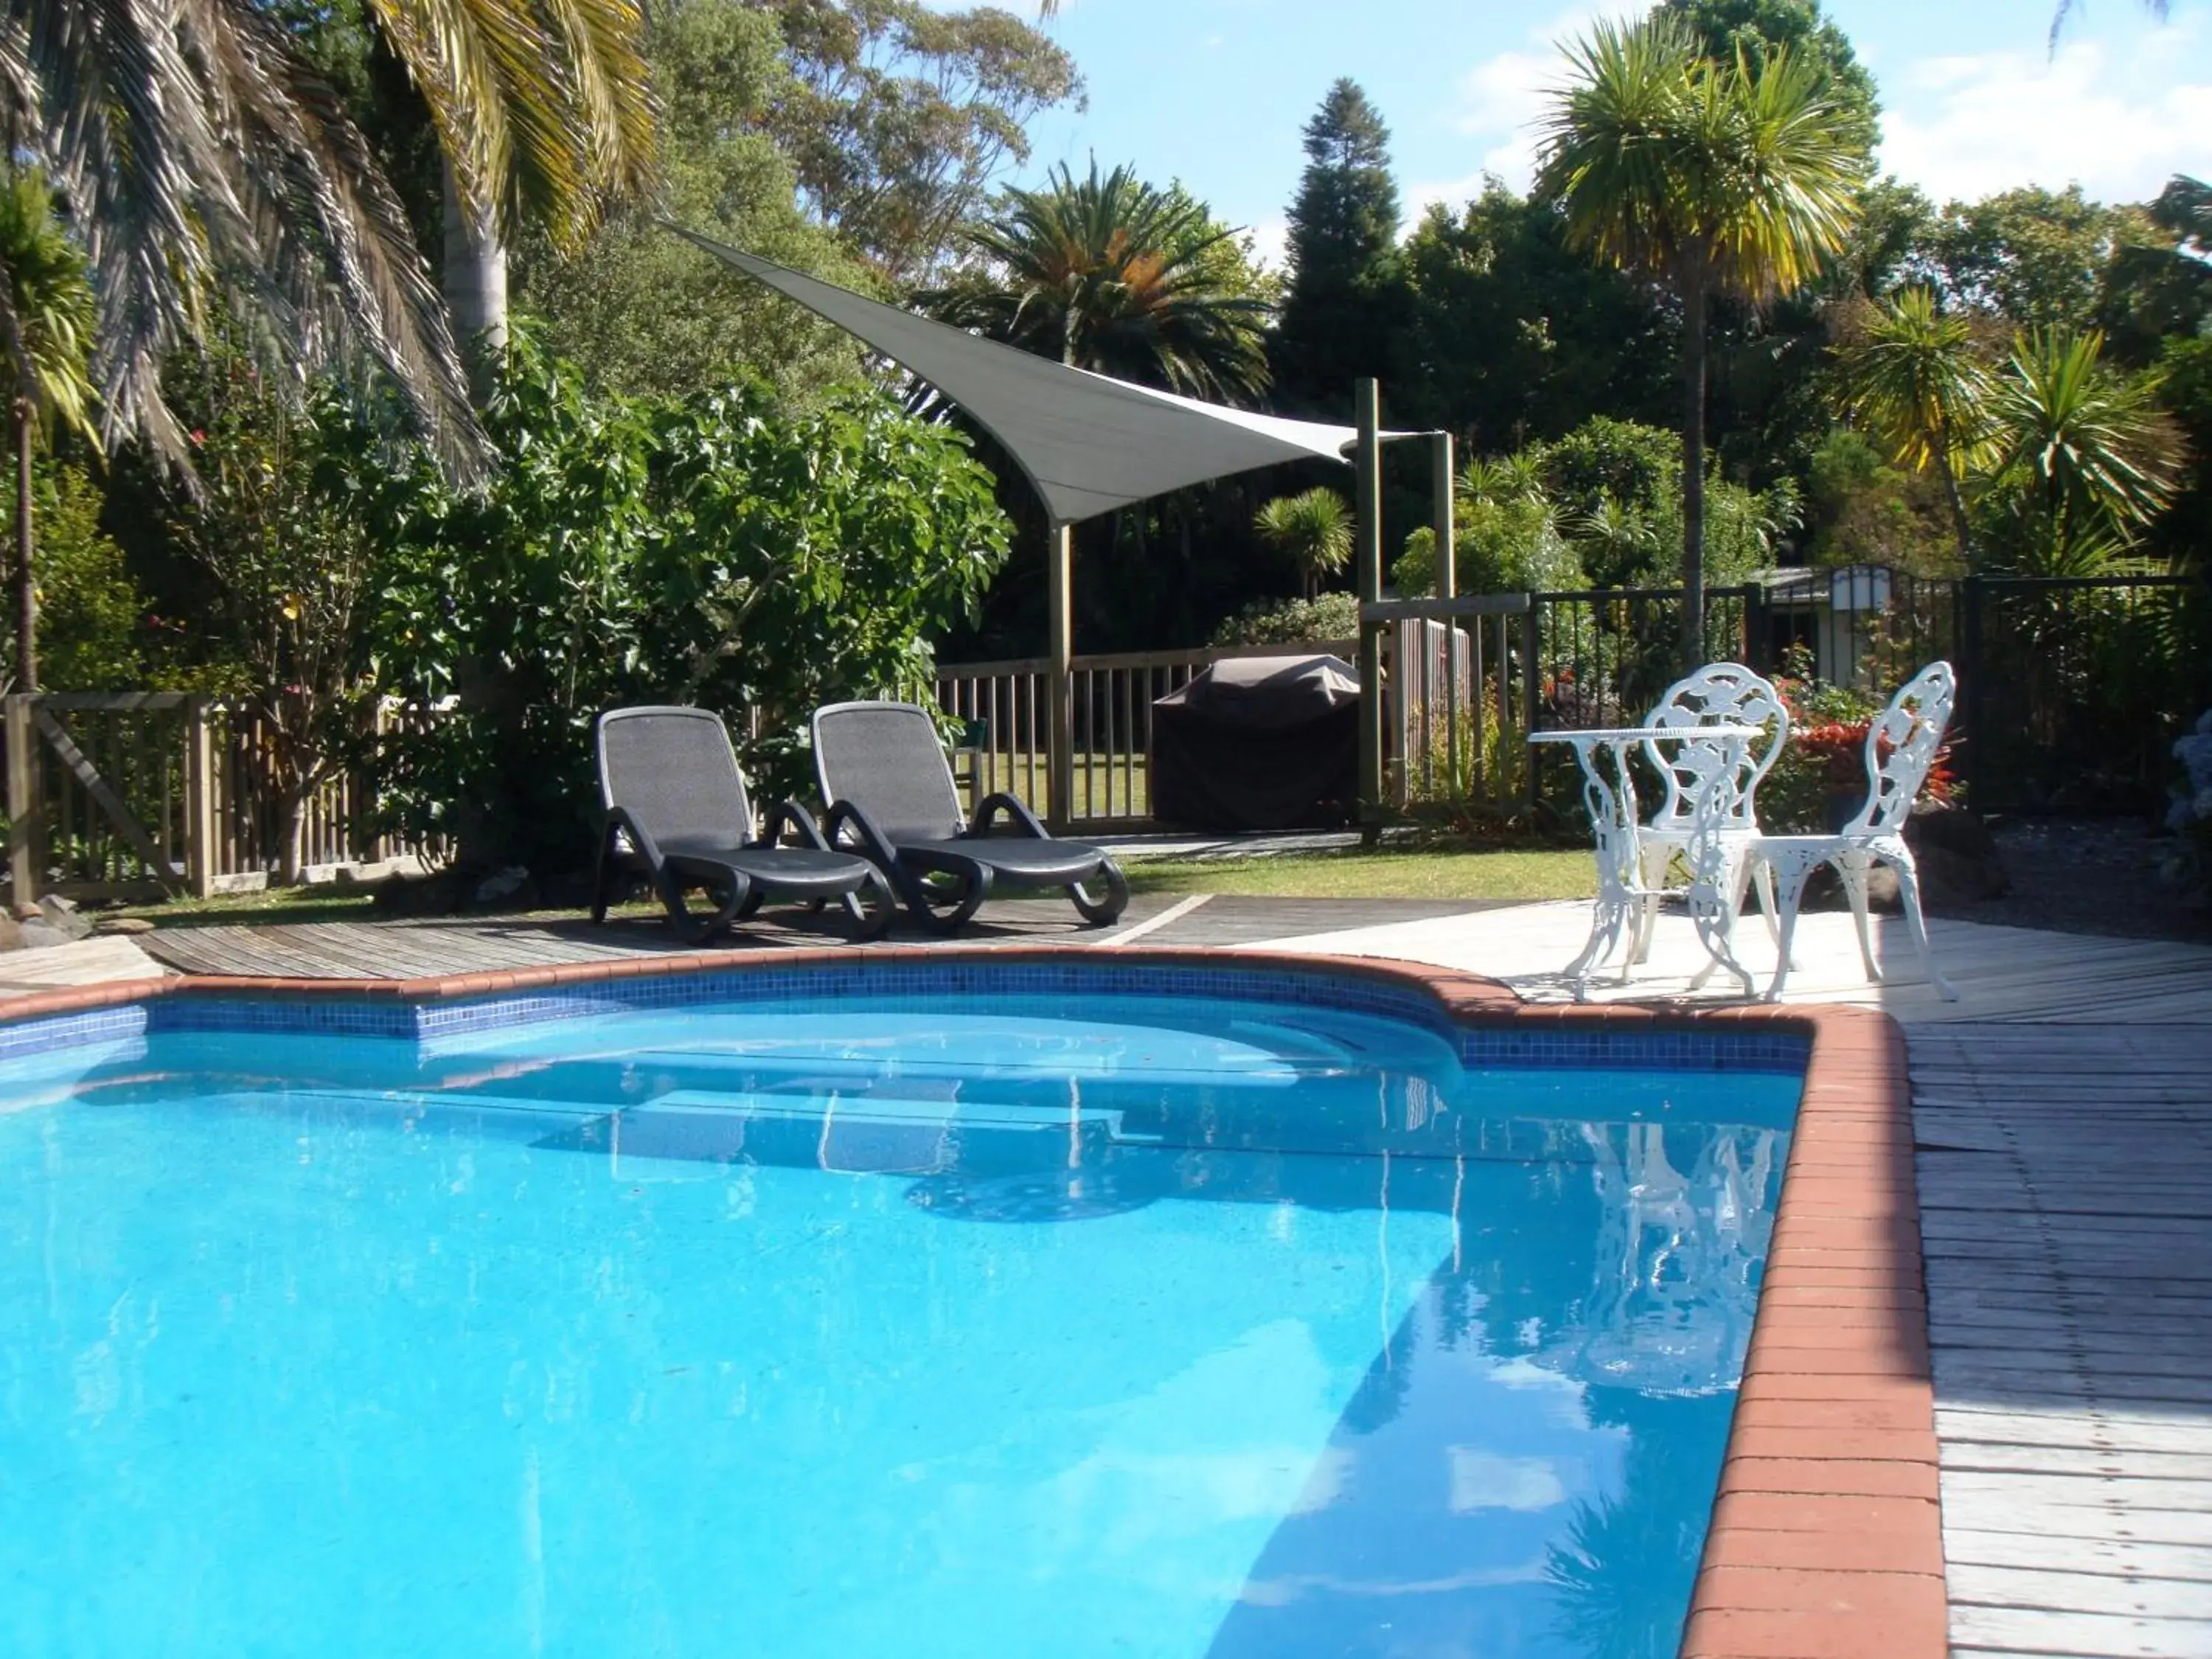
(135, 794)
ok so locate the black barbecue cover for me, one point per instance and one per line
(1259, 742)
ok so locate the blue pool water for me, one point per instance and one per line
(1111, 1326)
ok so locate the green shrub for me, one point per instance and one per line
(1292, 622)
(715, 549)
(92, 618)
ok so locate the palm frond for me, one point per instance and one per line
(2065, 9)
(1914, 380)
(1744, 172)
(2086, 447)
(1109, 274)
(204, 161)
(47, 305)
(543, 113)
(1313, 529)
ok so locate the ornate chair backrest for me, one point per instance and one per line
(1900, 748)
(1720, 693)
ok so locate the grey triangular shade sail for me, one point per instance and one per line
(1088, 442)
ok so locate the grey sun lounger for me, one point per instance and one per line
(891, 796)
(675, 804)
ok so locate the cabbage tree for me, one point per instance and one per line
(1712, 178)
(1312, 529)
(1914, 380)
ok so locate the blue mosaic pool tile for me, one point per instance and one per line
(39, 1036)
(1526, 1047)
(927, 983)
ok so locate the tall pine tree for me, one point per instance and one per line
(1344, 301)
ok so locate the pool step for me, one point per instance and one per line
(871, 1135)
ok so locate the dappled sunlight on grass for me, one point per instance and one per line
(1360, 873)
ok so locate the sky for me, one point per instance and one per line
(1215, 92)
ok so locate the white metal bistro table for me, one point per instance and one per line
(1615, 825)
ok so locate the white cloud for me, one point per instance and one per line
(1500, 99)
(2117, 122)
(1271, 240)
(1422, 194)
(2118, 117)
(1483, 1481)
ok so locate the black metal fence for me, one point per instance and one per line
(2072, 689)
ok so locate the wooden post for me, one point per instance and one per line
(24, 852)
(199, 799)
(1440, 514)
(1367, 569)
(1060, 691)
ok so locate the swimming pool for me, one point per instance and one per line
(1086, 1316)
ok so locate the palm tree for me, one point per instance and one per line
(2089, 453)
(1914, 378)
(1111, 275)
(1314, 528)
(45, 327)
(200, 156)
(1715, 178)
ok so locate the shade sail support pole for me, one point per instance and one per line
(1367, 566)
(1059, 691)
(1440, 514)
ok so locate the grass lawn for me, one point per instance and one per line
(1380, 873)
(1353, 873)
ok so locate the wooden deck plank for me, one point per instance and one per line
(1991, 1456)
(2118, 1557)
(2080, 1635)
(2069, 1279)
(2079, 1592)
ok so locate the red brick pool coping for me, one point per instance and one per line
(1825, 1541)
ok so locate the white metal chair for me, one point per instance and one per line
(1900, 748)
(1720, 693)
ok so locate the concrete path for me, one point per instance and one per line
(89, 962)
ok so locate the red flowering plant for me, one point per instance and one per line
(1820, 780)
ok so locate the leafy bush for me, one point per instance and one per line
(1602, 508)
(1292, 622)
(91, 615)
(1822, 772)
(713, 549)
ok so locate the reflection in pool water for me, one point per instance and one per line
(1189, 1329)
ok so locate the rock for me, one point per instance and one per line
(1958, 860)
(123, 925)
(512, 888)
(571, 890)
(63, 917)
(438, 895)
(43, 936)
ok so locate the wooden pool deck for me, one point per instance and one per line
(2064, 1125)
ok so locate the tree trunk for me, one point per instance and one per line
(475, 285)
(291, 835)
(1693, 469)
(1957, 503)
(26, 590)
